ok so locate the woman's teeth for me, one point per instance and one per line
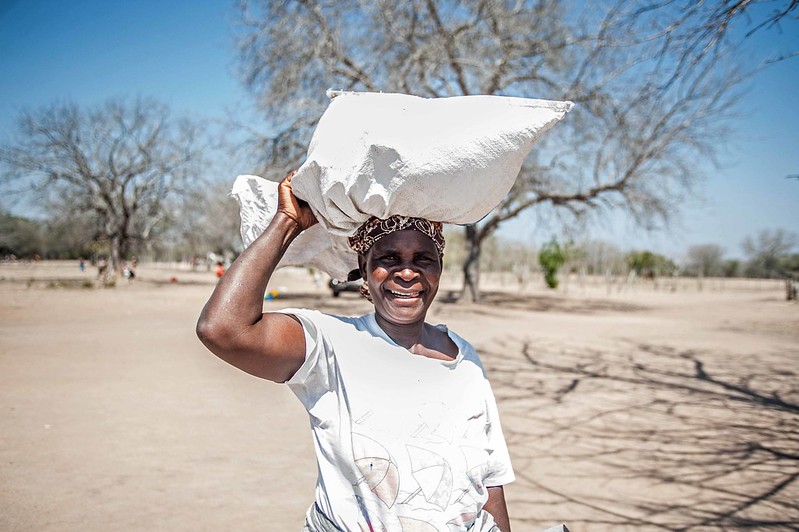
(404, 294)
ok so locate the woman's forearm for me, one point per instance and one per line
(237, 299)
(497, 507)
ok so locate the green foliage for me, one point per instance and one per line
(59, 238)
(650, 265)
(551, 258)
(731, 268)
(789, 265)
(20, 236)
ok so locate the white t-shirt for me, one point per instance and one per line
(400, 439)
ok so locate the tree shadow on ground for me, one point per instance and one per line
(649, 437)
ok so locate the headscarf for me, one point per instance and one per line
(375, 228)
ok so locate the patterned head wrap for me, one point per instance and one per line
(374, 229)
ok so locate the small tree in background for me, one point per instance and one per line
(731, 268)
(765, 252)
(551, 258)
(650, 265)
(603, 258)
(705, 260)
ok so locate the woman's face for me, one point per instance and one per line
(402, 270)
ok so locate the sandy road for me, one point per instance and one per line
(640, 410)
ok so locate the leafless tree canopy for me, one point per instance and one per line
(705, 260)
(766, 250)
(119, 162)
(650, 79)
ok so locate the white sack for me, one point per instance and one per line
(445, 159)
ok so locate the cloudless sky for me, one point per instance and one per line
(182, 53)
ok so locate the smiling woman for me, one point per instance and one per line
(405, 424)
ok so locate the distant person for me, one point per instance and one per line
(82, 265)
(129, 272)
(102, 267)
(220, 269)
(405, 424)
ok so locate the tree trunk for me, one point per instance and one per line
(115, 264)
(471, 264)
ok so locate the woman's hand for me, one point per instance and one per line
(296, 209)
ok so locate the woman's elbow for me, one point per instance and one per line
(212, 333)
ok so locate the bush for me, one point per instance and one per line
(551, 258)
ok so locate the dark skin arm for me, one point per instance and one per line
(496, 506)
(233, 325)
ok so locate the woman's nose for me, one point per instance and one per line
(406, 273)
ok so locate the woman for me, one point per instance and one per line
(405, 425)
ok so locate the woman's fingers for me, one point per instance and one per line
(297, 210)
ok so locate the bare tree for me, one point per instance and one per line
(119, 162)
(711, 24)
(649, 103)
(766, 250)
(603, 258)
(205, 220)
(706, 260)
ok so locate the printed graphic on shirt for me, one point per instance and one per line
(377, 467)
(428, 472)
(433, 474)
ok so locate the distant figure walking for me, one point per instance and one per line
(220, 270)
(130, 271)
(102, 266)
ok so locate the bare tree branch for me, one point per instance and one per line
(118, 162)
(650, 78)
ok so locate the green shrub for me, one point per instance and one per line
(551, 258)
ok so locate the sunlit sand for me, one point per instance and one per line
(625, 407)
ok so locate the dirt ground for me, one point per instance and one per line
(625, 407)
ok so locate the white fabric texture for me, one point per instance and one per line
(400, 439)
(450, 160)
(313, 248)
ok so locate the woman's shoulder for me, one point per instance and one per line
(327, 321)
(463, 344)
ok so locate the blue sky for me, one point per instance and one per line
(183, 54)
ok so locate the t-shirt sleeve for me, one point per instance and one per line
(317, 374)
(499, 469)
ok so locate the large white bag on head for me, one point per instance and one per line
(314, 248)
(445, 159)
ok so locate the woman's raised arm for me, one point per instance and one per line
(233, 325)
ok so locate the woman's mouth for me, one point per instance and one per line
(405, 295)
